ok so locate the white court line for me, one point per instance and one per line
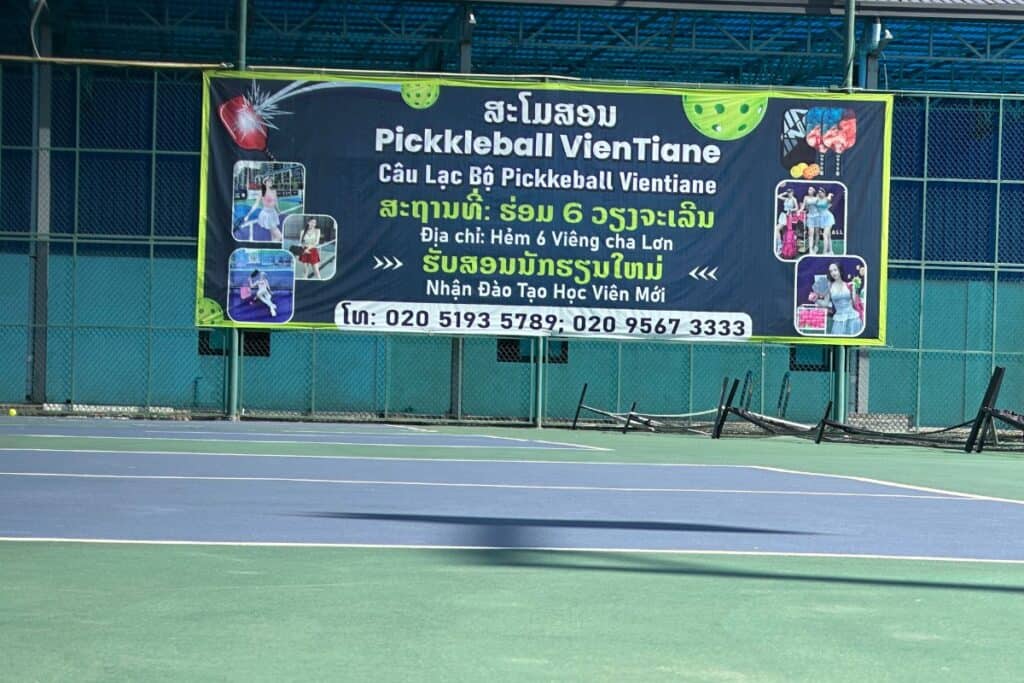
(567, 446)
(414, 428)
(883, 482)
(445, 484)
(144, 424)
(245, 435)
(520, 461)
(107, 451)
(559, 549)
(423, 430)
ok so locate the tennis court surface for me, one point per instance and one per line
(495, 533)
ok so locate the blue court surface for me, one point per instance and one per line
(172, 482)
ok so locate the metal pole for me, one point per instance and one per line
(924, 246)
(839, 352)
(116, 63)
(455, 379)
(995, 258)
(839, 371)
(243, 27)
(74, 238)
(234, 348)
(466, 40)
(457, 343)
(862, 400)
(542, 347)
(874, 41)
(40, 245)
(861, 403)
(154, 125)
(764, 370)
(851, 41)
(233, 362)
(312, 374)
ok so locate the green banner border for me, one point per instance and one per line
(560, 84)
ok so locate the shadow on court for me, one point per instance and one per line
(644, 563)
(519, 532)
(512, 542)
(507, 536)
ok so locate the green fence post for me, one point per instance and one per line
(42, 114)
(839, 383)
(243, 21)
(234, 351)
(233, 356)
(540, 344)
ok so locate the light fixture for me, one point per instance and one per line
(884, 40)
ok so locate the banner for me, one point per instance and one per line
(457, 206)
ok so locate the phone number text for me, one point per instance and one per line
(540, 321)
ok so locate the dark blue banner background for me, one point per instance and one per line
(733, 266)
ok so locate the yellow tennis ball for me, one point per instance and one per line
(12, 412)
(812, 171)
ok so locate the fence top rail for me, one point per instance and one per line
(140, 64)
(326, 71)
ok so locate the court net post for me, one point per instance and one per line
(747, 392)
(579, 406)
(821, 423)
(784, 391)
(724, 409)
(629, 417)
(983, 420)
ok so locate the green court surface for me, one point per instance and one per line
(103, 611)
(88, 613)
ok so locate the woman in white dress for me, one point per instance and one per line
(785, 240)
(259, 285)
(268, 219)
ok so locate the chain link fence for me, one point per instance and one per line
(327, 375)
(98, 234)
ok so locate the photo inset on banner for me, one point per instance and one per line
(261, 286)
(313, 240)
(265, 192)
(814, 139)
(830, 296)
(810, 219)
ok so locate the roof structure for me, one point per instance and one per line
(968, 45)
(960, 10)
